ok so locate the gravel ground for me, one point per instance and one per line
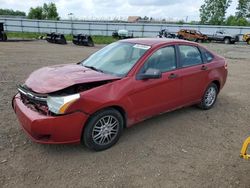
(184, 148)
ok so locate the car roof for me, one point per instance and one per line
(188, 30)
(157, 41)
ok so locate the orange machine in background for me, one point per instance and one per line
(243, 152)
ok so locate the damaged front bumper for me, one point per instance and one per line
(49, 129)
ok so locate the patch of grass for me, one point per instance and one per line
(27, 35)
(23, 35)
(103, 39)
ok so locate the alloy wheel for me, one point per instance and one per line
(210, 96)
(105, 130)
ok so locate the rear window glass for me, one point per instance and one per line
(189, 56)
(207, 56)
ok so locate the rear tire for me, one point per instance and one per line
(103, 129)
(209, 97)
(227, 41)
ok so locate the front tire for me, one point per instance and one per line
(209, 97)
(103, 129)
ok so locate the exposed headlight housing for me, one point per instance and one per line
(59, 104)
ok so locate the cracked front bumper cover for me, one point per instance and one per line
(49, 129)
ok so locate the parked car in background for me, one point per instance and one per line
(120, 85)
(164, 33)
(246, 38)
(192, 35)
(122, 34)
(223, 36)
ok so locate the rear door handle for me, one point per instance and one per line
(172, 76)
(204, 67)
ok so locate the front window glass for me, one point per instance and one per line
(116, 59)
(163, 59)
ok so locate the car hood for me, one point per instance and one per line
(55, 78)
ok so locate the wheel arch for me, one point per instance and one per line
(119, 108)
(248, 40)
(122, 111)
(217, 83)
(227, 37)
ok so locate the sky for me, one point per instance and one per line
(108, 9)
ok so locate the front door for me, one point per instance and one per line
(154, 96)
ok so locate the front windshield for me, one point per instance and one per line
(117, 58)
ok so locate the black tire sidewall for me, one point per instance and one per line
(87, 139)
(227, 41)
(203, 104)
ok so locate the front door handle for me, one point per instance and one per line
(172, 76)
(204, 67)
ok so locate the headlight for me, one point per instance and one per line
(59, 105)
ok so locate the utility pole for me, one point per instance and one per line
(71, 18)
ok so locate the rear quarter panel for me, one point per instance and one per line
(217, 71)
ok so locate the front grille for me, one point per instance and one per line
(34, 101)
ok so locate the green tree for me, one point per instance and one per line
(48, 11)
(214, 11)
(236, 21)
(11, 12)
(36, 13)
(243, 8)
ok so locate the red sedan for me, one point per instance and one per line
(122, 84)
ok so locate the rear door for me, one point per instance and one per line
(193, 73)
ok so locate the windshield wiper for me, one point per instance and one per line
(93, 68)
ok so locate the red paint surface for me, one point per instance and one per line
(139, 99)
(54, 78)
(62, 129)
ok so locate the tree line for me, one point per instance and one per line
(214, 12)
(45, 12)
(12, 12)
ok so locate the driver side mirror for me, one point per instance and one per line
(149, 74)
